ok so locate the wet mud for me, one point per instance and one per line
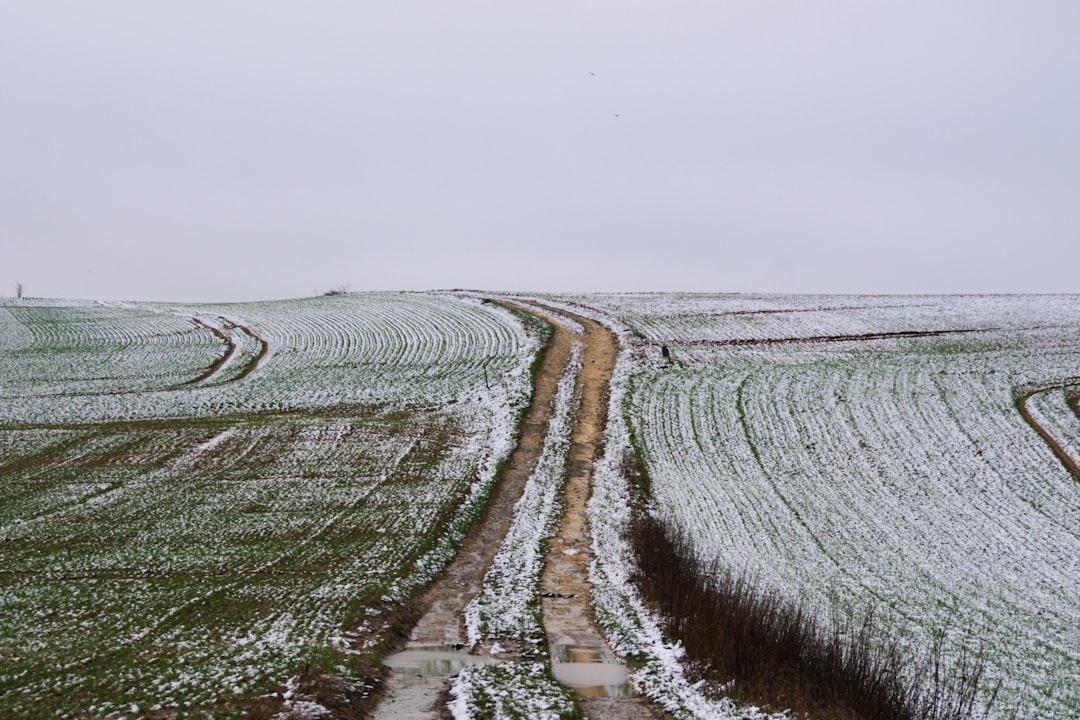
(420, 674)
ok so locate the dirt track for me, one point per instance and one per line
(568, 616)
(218, 365)
(1045, 434)
(567, 613)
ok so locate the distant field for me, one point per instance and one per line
(198, 501)
(869, 451)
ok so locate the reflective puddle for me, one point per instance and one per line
(591, 671)
(437, 661)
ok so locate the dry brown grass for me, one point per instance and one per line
(774, 652)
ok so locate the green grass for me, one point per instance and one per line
(188, 550)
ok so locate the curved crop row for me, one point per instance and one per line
(365, 349)
(389, 329)
(895, 473)
(185, 550)
(14, 335)
(90, 349)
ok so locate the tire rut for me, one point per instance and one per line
(214, 367)
(210, 374)
(1047, 436)
(567, 612)
(443, 605)
(567, 608)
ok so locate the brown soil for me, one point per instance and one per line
(255, 361)
(1074, 403)
(230, 350)
(211, 370)
(567, 608)
(565, 582)
(1066, 460)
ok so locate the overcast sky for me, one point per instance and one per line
(252, 149)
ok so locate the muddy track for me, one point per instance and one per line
(581, 658)
(257, 360)
(231, 349)
(442, 606)
(1059, 451)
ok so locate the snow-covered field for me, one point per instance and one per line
(200, 500)
(868, 451)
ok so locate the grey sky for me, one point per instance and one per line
(248, 150)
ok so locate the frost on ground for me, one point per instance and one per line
(508, 607)
(806, 441)
(169, 544)
(96, 363)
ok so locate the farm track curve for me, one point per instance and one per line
(1074, 403)
(567, 613)
(214, 367)
(208, 375)
(1055, 446)
(219, 365)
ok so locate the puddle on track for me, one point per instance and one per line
(590, 671)
(433, 661)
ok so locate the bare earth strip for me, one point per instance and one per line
(412, 696)
(567, 610)
(264, 350)
(1055, 446)
(230, 350)
(210, 374)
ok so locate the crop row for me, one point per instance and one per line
(391, 329)
(357, 349)
(681, 319)
(630, 625)
(97, 349)
(105, 563)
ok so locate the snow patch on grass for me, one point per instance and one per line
(510, 691)
(508, 605)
